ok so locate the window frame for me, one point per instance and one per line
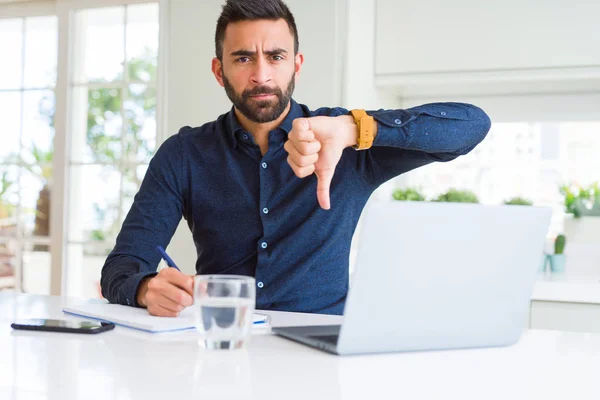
(65, 11)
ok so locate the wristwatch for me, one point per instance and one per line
(365, 124)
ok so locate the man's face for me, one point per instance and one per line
(259, 68)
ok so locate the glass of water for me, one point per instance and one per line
(224, 309)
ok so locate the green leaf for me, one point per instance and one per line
(519, 201)
(458, 196)
(408, 194)
(581, 201)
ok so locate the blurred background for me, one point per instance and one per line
(90, 88)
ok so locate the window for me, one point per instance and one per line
(113, 131)
(530, 159)
(27, 99)
(78, 94)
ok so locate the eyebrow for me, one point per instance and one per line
(248, 53)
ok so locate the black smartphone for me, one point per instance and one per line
(59, 325)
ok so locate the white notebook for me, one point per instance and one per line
(138, 318)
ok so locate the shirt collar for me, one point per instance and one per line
(234, 126)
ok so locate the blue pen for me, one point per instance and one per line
(168, 259)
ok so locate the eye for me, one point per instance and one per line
(277, 58)
(243, 60)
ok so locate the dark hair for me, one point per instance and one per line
(245, 10)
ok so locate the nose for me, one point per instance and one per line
(262, 72)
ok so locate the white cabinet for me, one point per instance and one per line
(471, 35)
(564, 316)
(566, 303)
(512, 46)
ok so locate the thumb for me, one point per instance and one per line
(324, 178)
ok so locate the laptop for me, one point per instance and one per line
(433, 276)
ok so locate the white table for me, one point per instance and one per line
(125, 364)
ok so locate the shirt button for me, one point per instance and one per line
(264, 165)
(263, 245)
(245, 136)
(265, 210)
(260, 285)
(398, 121)
(443, 113)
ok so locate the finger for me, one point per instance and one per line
(177, 295)
(301, 172)
(169, 304)
(163, 287)
(304, 161)
(301, 130)
(307, 148)
(179, 279)
(159, 311)
(323, 183)
(177, 300)
(303, 148)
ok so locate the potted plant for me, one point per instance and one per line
(519, 201)
(582, 207)
(557, 261)
(457, 196)
(408, 194)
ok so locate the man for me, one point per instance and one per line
(272, 189)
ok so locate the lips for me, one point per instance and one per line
(262, 96)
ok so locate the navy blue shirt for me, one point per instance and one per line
(250, 215)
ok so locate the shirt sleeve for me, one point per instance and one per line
(156, 211)
(407, 139)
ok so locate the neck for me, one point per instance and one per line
(260, 131)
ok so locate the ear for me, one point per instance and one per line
(298, 61)
(217, 69)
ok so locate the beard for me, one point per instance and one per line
(260, 111)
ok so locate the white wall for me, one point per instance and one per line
(359, 66)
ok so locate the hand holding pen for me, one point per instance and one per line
(167, 293)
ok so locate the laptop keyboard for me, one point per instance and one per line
(331, 339)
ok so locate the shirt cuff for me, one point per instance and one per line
(389, 124)
(128, 292)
